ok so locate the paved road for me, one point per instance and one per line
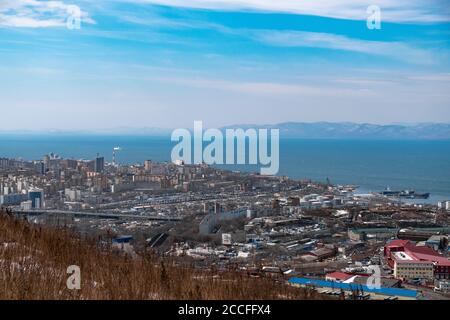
(99, 215)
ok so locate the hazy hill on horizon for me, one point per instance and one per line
(300, 130)
(351, 130)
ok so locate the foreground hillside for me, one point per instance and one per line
(34, 261)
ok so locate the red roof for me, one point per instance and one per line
(439, 260)
(424, 254)
(398, 243)
(423, 249)
(341, 276)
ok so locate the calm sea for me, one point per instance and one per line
(373, 165)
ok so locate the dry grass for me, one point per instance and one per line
(33, 263)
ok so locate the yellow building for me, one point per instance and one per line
(406, 267)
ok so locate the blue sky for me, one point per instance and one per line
(166, 63)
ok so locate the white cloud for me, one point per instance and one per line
(263, 89)
(439, 77)
(37, 14)
(392, 10)
(396, 50)
(293, 38)
(163, 22)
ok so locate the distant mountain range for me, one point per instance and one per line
(350, 130)
(301, 130)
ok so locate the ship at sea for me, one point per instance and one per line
(407, 194)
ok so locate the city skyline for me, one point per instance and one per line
(167, 63)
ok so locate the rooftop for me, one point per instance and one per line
(412, 252)
(402, 256)
(341, 276)
(353, 287)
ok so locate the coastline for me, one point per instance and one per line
(372, 165)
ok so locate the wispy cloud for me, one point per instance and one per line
(439, 77)
(159, 21)
(391, 49)
(293, 38)
(365, 82)
(36, 14)
(392, 10)
(286, 38)
(262, 89)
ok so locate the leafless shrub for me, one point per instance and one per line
(34, 260)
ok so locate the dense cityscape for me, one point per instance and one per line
(303, 233)
(208, 159)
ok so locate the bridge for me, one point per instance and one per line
(100, 215)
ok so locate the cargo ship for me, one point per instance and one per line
(408, 194)
(411, 194)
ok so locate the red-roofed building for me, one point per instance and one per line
(339, 276)
(411, 261)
